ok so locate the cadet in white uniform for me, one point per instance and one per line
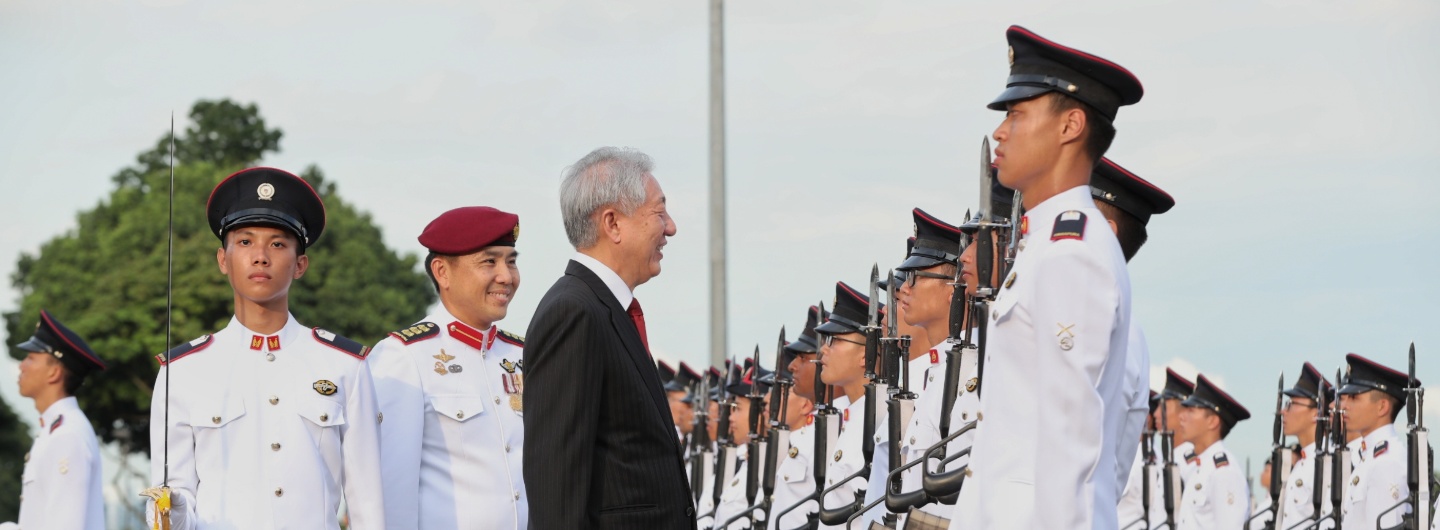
(1299, 420)
(60, 486)
(451, 386)
(843, 358)
(923, 295)
(1372, 396)
(1218, 494)
(794, 480)
(1060, 324)
(733, 500)
(271, 422)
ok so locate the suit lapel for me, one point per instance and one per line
(629, 336)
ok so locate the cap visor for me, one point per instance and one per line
(1016, 93)
(1295, 392)
(1352, 388)
(832, 327)
(35, 345)
(918, 262)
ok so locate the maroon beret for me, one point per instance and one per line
(471, 228)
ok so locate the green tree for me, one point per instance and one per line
(14, 442)
(106, 278)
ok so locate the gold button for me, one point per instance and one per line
(507, 448)
(969, 473)
(979, 416)
(215, 419)
(324, 417)
(274, 400)
(965, 415)
(517, 495)
(279, 491)
(459, 414)
(275, 446)
(497, 400)
(270, 357)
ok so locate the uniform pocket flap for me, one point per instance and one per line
(458, 407)
(218, 414)
(323, 412)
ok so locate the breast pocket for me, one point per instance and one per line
(794, 469)
(457, 408)
(324, 419)
(1000, 310)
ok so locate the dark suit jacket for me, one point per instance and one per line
(600, 447)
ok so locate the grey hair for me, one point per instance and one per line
(607, 177)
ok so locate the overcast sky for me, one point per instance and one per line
(1298, 138)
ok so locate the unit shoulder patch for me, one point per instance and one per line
(510, 337)
(1069, 225)
(185, 349)
(349, 347)
(416, 333)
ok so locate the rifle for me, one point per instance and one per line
(1420, 472)
(874, 388)
(900, 407)
(826, 432)
(1170, 475)
(700, 455)
(1280, 461)
(725, 453)
(756, 447)
(1324, 459)
(1147, 456)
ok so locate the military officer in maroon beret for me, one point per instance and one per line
(450, 386)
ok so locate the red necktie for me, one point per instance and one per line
(638, 317)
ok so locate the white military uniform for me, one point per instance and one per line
(1217, 496)
(924, 430)
(1055, 370)
(794, 480)
(1131, 507)
(1137, 398)
(1377, 482)
(847, 457)
(921, 372)
(453, 436)
(267, 432)
(732, 499)
(60, 487)
(1299, 493)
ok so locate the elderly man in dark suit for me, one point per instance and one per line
(600, 446)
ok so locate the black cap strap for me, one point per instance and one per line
(846, 322)
(1045, 80)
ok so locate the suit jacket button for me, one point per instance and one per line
(689, 511)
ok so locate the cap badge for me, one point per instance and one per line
(325, 387)
(515, 232)
(1012, 56)
(1071, 88)
(266, 191)
(916, 226)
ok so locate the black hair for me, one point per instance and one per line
(1099, 131)
(1128, 228)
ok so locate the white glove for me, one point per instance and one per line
(179, 509)
(9, 526)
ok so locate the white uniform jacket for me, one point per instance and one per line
(1377, 482)
(1217, 496)
(924, 431)
(847, 457)
(794, 480)
(267, 432)
(60, 487)
(922, 371)
(453, 435)
(1055, 370)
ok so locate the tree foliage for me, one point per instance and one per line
(106, 278)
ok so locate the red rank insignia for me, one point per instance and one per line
(273, 342)
(256, 342)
